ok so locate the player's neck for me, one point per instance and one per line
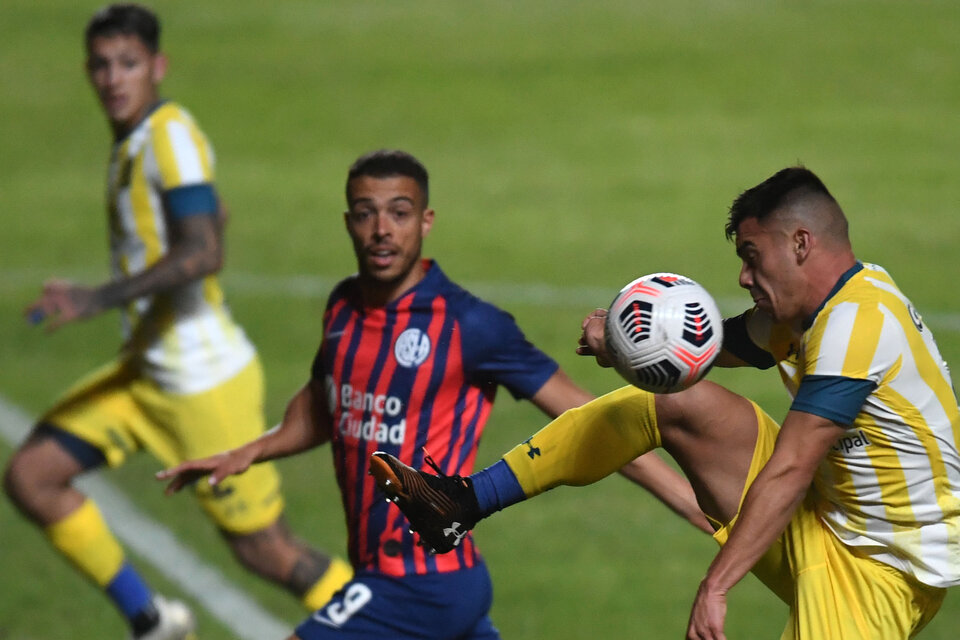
(122, 128)
(378, 293)
(825, 278)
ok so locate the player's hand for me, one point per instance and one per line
(61, 302)
(592, 342)
(708, 614)
(217, 467)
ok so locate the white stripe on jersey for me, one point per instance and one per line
(185, 338)
(830, 358)
(187, 155)
(897, 493)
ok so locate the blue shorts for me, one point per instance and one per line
(439, 606)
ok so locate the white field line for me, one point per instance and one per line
(532, 293)
(157, 545)
(307, 286)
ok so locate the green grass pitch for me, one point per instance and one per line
(573, 146)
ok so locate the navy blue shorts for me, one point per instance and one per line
(440, 606)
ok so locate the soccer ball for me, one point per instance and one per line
(663, 332)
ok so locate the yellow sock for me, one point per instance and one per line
(337, 574)
(588, 443)
(85, 540)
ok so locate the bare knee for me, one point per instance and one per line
(706, 410)
(38, 480)
(711, 433)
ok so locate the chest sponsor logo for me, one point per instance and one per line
(365, 416)
(412, 348)
(856, 441)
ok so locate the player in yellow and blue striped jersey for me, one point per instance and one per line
(187, 381)
(849, 512)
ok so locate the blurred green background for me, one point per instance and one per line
(572, 147)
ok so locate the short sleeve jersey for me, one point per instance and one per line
(891, 484)
(185, 339)
(419, 374)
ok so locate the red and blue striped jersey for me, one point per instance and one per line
(419, 373)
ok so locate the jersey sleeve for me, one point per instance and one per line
(756, 339)
(496, 351)
(848, 351)
(737, 340)
(185, 167)
(317, 370)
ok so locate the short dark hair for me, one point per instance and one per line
(779, 190)
(125, 19)
(386, 163)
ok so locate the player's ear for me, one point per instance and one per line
(802, 244)
(159, 67)
(426, 222)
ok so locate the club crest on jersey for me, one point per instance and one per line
(412, 348)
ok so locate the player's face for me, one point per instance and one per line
(769, 269)
(124, 74)
(387, 221)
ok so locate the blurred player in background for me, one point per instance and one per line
(187, 382)
(850, 512)
(409, 363)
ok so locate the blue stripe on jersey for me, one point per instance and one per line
(471, 431)
(341, 453)
(832, 397)
(375, 525)
(441, 355)
(191, 200)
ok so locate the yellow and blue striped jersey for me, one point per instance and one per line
(890, 486)
(185, 339)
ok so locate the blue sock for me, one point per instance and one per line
(496, 487)
(129, 592)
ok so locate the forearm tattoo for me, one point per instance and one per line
(195, 251)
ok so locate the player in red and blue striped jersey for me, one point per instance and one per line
(419, 374)
(410, 362)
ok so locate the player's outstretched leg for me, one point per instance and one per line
(442, 509)
(710, 431)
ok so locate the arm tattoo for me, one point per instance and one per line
(195, 251)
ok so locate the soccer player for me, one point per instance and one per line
(849, 512)
(187, 381)
(409, 363)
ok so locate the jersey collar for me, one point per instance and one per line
(429, 282)
(849, 273)
(156, 105)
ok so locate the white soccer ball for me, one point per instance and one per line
(663, 332)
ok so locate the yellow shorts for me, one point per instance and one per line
(119, 412)
(833, 590)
